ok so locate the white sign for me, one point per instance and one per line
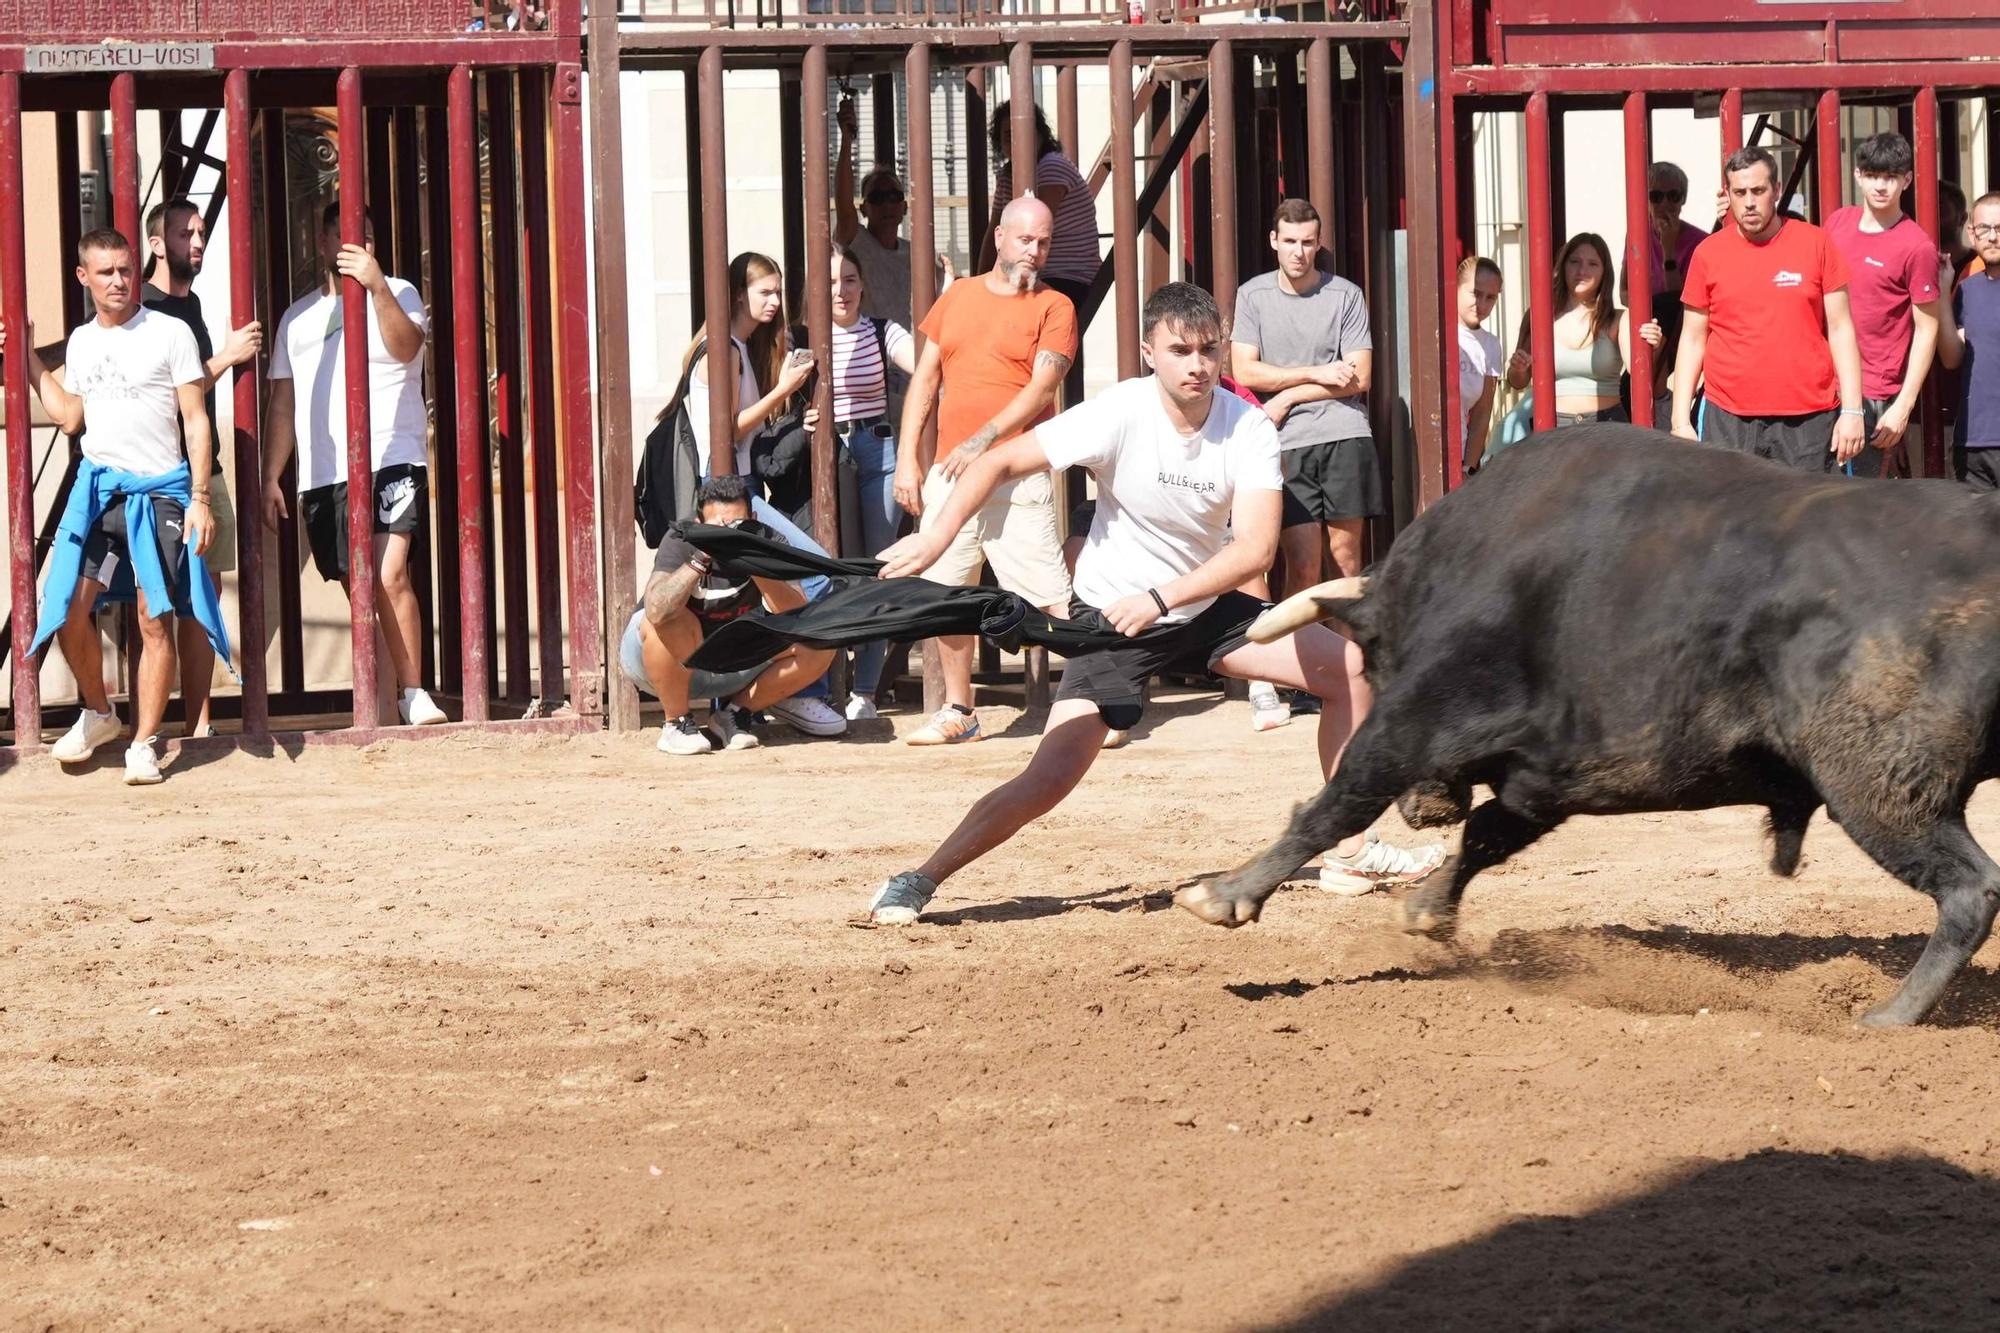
(119, 58)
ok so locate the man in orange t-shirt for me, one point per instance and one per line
(1768, 326)
(996, 349)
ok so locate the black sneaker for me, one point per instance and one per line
(679, 735)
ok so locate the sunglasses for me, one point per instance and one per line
(879, 197)
(1663, 196)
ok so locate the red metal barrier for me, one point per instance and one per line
(572, 314)
(541, 381)
(1124, 213)
(467, 322)
(125, 160)
(1827, 141)
(1931, 411)
(244, 412)
(506, 268)
(819, 299)
(1222, 175)
(722, 404)
(360, 439)
(20, 435)
(1541, 264)
(1638, 253)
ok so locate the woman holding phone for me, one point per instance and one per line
(765, 372)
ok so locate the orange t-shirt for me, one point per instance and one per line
(988, 346)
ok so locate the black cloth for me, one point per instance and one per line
(862, 607)
(723, 596)
(187, 309)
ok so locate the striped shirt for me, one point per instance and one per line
(860, 380)
(1073, 252)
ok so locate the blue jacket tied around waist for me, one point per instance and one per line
(97, 487)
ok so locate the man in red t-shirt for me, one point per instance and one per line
(1893, 265)
(1768, 324)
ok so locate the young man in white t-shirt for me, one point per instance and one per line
(1480, 360)
(1179, 468)
(309, 404)
(125, 376)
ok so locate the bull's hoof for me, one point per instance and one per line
(1217, 907)
(1889, 1014)
(1437, 925)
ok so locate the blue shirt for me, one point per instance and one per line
(1978, 306)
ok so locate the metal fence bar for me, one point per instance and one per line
(20, 431)
(1638, 252)
(467, 321)
(244, 384)
(1541, 264)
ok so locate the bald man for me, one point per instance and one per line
(997, 347)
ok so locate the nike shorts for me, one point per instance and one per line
(402, 501)
(107, 554)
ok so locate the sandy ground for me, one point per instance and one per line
(537, 1033)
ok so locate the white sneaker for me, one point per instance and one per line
(1376, 866)
(1114, 740)
(731, 723)
(1267, 711)
(947, 726)
(142, 765)
(679, 735)
(89, 731)
(861, 708)
(418, 710)
(812, 716)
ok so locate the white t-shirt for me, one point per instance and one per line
(1479, 360)
(126, 376)
(311, 352)
(1163, 499)
(747, 393)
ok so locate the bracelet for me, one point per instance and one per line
(1853, 412)
(1158, 600)
(198, 499)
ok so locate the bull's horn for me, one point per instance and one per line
(1306, 608)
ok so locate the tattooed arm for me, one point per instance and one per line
(1011, 420)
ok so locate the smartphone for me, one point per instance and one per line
(801, 356)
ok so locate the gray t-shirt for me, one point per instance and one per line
(1314, 329)
(885, 277)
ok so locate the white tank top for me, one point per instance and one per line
(747, 393)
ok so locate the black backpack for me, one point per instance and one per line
(669, 466)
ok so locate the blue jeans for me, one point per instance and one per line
(874, 452)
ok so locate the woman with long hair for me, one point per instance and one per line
(1073, 251)
(1593, 336)
(766, 373)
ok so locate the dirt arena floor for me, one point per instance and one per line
(565, 1034)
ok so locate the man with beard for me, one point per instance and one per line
(311, 354)
(176, 238)
(1188, 510)
(997, 348)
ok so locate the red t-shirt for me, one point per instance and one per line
(1891, 270)
(1767, 353)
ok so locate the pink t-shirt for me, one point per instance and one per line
(1889, 272)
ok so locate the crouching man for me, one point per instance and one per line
(685, 598)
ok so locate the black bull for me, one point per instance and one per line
(1608, 622)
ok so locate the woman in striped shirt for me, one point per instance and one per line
(1073, 253)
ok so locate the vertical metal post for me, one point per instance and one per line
(1066, 127)
(1827, 156)
(409, 229)
(696, 198)
(978, 180)
(540, 383)
(1732, 121)
(1156, 257)
(614, 358)
(278, 286)
(819, 301)
(69, 215)
(1124, 213)
(1433, 319)
(1451, 246)
(249, 464)
(1319, 136)
(1926, 146)
(382, 189)
(20, 428)
(467, 322)
(792, 184)
(125, 212)
(722, 404)
(1022, 158)
(444, 394)
(354, 300)
(506, 269)
(1638, 252)
(1222, 173)
(1541, 264)
(922, 210)
(1558, 175)
(572, 287)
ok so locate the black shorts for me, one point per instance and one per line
(1325, 483)
(402, 502)
(1802, 443)
(1977, 468)
(1115, 679)
(107, 554)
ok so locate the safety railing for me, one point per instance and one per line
(982, 13)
